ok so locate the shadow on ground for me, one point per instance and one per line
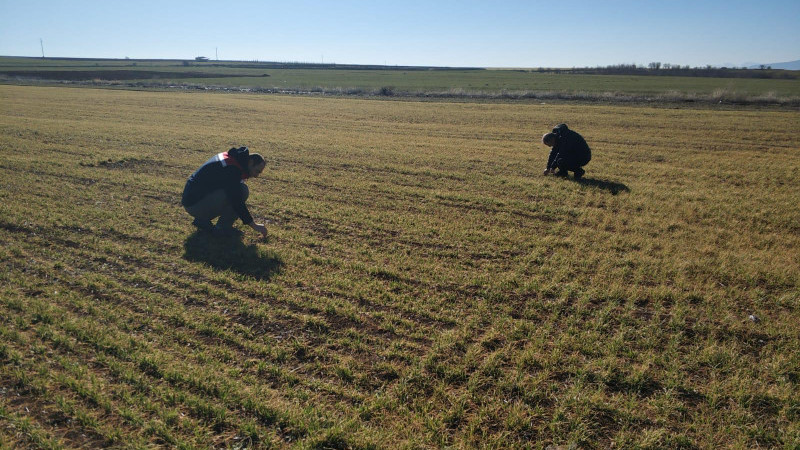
(611, 186)
(230, 253)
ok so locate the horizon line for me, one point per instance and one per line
(209, 60)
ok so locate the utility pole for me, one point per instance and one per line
(42, 44)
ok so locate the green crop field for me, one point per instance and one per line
(422, 286)
(399, 81)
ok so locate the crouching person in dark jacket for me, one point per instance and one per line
(569, 152)
(217, 189)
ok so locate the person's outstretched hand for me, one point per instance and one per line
(260, 228)
(548, 171)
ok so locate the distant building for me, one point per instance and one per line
(201, 58)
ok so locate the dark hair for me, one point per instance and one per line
(256, 159)
(549, 137)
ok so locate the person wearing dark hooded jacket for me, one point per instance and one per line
(569, 153)
(217, 189)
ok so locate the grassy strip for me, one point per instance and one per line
(420, 285)
(205, 382)
(19, 430)
(671, 95)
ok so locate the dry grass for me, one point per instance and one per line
(423, 285)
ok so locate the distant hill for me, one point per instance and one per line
(791, 65)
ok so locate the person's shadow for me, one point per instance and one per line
(230, 253)
(611, 186)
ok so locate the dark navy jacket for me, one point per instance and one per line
(219, 172)
(570, 147)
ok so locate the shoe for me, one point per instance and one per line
(202, 225)
(579, 173)
(562, 173)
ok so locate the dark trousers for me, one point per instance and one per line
(571, 163)
(216, 204)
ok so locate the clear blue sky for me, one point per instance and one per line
(426, 32)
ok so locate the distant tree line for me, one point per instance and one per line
(667, 69)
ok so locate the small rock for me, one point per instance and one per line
(753, 318)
